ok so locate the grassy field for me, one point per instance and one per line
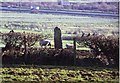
(46, 24)
(65, 22)
(24, 73)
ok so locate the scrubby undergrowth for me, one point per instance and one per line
(58, 73)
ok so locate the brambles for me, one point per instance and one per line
(17, 39)
(103, 47)
(48, 56)
(16, 44)
(104, 51)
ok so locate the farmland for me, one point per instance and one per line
(65, 22)
(41, 73)
(38, 58)
(45, 23)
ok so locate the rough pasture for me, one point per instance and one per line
(68, 24)
(62, 56)
(28, 73)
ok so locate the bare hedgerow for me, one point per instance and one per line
(103, 45)
(16, 42)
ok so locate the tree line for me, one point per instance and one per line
(96, 6)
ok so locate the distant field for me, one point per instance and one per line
(47, 22)
(4, 30)
(65, 22)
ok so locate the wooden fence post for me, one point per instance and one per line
(25, 49)
(57, 38)
(0, 57)
(74, 50)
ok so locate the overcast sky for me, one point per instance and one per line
(56, 0)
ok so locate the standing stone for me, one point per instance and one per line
(57, 38)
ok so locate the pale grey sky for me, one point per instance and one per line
(56, 0)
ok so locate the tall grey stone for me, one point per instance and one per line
(57, 38)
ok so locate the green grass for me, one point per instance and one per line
(64, 42)
(2, 45)
(65, 22)
(3, 30)
(58, 73)
(47, 22)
